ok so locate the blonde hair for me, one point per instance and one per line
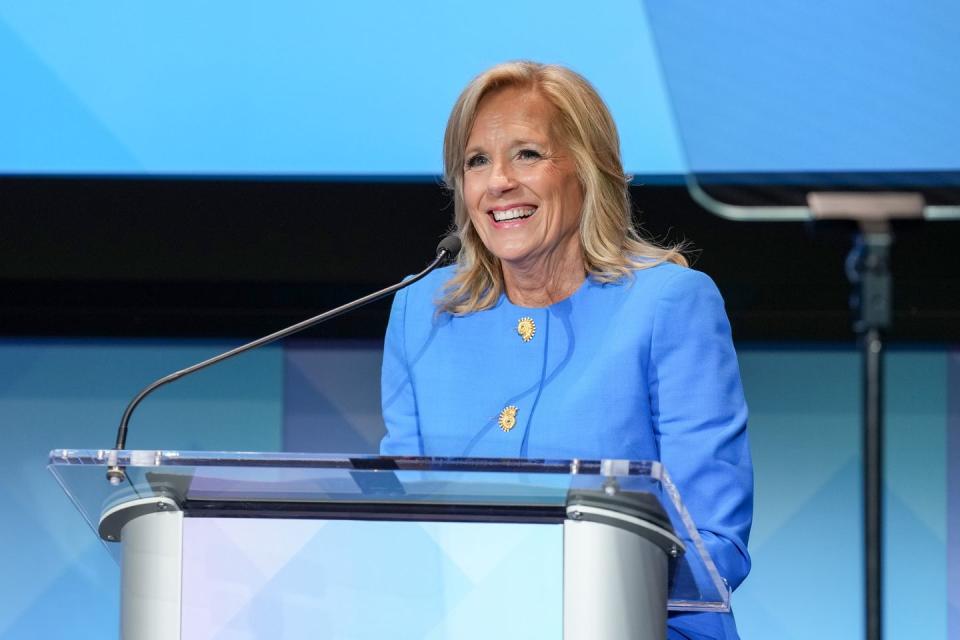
(609, 241)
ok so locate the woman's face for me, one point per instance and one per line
(520, 185)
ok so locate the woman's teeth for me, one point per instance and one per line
(513, 214)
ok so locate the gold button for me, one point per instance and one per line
(508, 418)
(526, 328)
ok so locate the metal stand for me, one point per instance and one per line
(869, 274)
(868, 269)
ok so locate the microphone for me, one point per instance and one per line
(448, 248)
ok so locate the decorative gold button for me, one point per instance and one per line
(526, 328)
(508, 418)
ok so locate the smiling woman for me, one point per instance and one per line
(520, 122)
(560, 333)
(523, 197)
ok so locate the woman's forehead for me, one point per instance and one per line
(513, 111)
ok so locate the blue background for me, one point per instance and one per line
(308, 395)
(293, 87)
(788, 85)
(364, 88)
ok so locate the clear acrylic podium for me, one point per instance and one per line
(282, 545)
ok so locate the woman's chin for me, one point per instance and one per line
(514, 257)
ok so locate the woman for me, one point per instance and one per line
(560, 333)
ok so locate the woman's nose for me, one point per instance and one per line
(501, 179)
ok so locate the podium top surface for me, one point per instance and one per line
(345, 486)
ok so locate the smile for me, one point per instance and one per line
(515, 213)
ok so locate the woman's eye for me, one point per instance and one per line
(529, 154)
(476, 161)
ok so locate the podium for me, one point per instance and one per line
(285, 545)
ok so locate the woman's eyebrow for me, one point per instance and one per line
(519, 142)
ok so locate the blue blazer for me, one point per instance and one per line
(641, 369)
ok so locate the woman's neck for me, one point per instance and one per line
(544, 283)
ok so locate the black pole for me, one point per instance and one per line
(873, 480)
(868, 269)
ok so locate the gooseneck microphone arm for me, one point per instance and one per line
(448, 248)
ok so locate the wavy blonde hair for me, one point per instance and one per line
(609, 241)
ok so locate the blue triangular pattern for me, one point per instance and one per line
(85, 594)
(915, 579)
(353, 567)
(310, 421)
(528, 602)
(792, 562)
(46, 127)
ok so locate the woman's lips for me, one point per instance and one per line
(512, 216)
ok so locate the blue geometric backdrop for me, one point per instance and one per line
(433, 580)
(804, 429)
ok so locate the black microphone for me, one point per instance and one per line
(449, 247)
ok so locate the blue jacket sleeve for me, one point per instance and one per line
(700, 416)
(397, 399)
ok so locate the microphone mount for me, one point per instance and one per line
(448, 248)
